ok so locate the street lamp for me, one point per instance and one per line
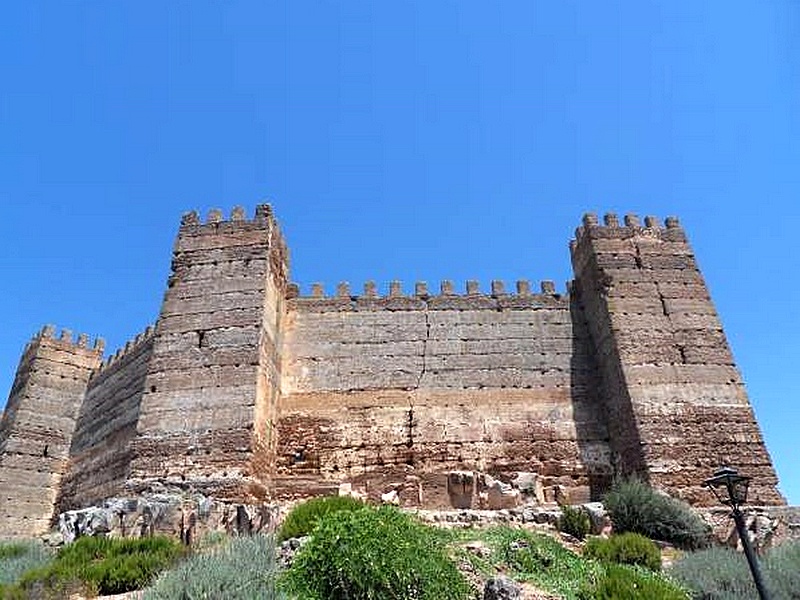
(730, 488)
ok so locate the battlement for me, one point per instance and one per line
(216, 223)
(422, 298)
(630, 227)
(235, 239)
(129, 347)
(65, 339)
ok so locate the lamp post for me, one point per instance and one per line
(730, 488)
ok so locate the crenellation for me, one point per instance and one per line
(632, 220)
(498, 288)
(246, 389)
(343, 290)
(370, 290)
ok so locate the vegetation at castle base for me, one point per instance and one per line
(625, 582)
(16, 558)
(95, 565)
(722, 573)
(238, 569)
(635, 507)
(574, 521)
(625, 549)
(540, 559)
(302, 519)
(374, 554)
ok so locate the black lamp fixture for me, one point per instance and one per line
(729, 486)
(730, 489)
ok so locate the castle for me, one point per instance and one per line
(245, 390)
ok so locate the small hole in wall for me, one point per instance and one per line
(152, 389)
(200, 337)
(44, 452)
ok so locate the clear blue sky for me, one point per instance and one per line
(402, 140)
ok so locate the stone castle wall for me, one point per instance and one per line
(676, 402)
(245, 390)
(499, 383)
(37, 428)
(101, 449)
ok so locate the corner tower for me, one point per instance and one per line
(207, 414)
(37, 428)
(676, 404)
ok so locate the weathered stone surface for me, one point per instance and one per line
(184, 516)
(501, 588)
(246, 389)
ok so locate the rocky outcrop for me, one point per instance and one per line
(186, 517)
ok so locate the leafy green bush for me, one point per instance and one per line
(374, 554)
(102, 566)
(621, 582)
(634, 506)
(302, 519)
(574, 521)
(18, 557)
(539, 558)
(240, 569)
(722, 573)
(625, 549)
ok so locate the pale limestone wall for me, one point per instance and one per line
(100, 453)
(37, 428)
(677, 405)
(427, 384)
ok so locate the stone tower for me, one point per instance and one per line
(37, 427)
(207, 417)
(676, 404)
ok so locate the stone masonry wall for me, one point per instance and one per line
(416, 386)
(196, 424)
(676, 403)
(100, 454)
(245, 390)
(37, 428)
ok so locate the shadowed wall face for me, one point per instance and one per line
(37, 428)
(100, 454)
(493, 383)
(676, 402)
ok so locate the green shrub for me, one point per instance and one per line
(620, 582)
(625, 549)
(722, 573)
(715, 574)
(782, 570)
(539, 558)
(374, 554)
(102, 566)
(240, 569)
(634, 506)
(302, 519)
(18, 557)
(574, 521)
